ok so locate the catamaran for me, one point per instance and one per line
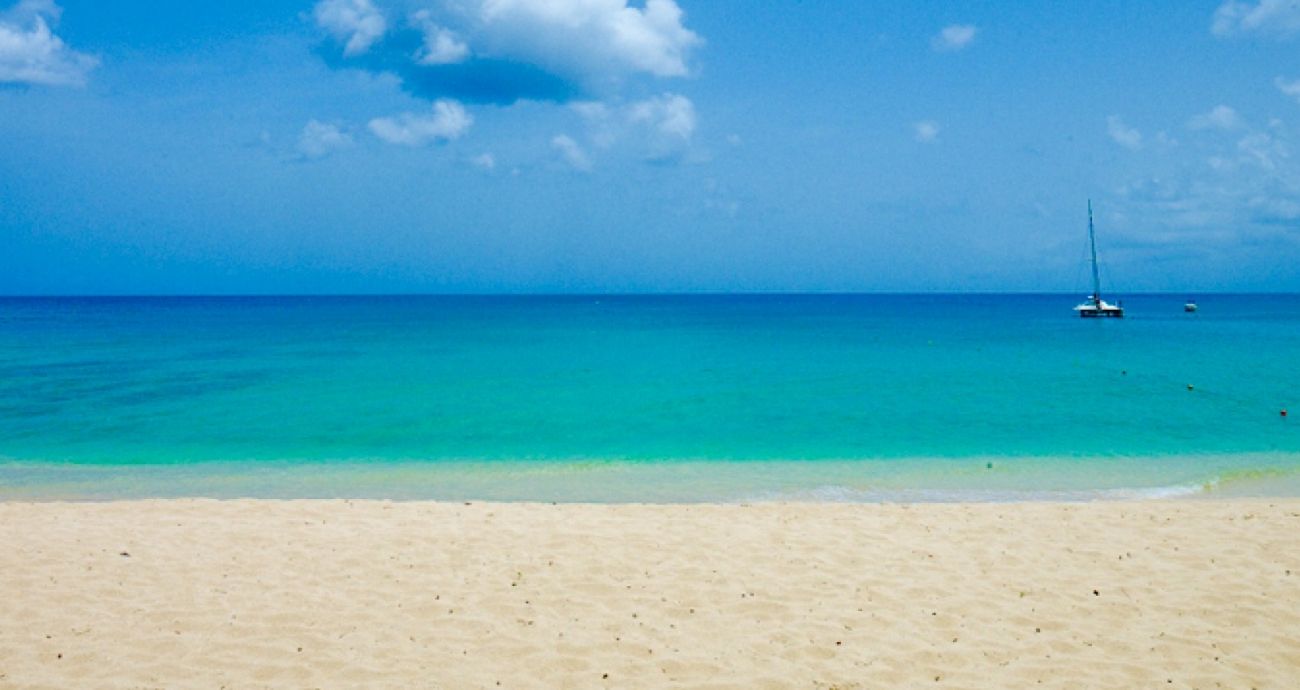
(1095, 306)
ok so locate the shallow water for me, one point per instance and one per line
(864, 397)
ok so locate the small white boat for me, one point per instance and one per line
(1190, 306)
(1095, 306)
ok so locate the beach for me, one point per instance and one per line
(183, 593)
(568, 344)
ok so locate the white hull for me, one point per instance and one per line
(1095, 308)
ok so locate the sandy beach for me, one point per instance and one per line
(299, 594)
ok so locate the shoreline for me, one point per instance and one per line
(995, 479)
(293, 593)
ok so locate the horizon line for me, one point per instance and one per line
(690, 293)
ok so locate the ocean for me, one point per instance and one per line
(649, 398)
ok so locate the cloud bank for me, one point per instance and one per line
(30, 53)
(501, 51)
(1235, 189)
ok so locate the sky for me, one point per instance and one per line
(435, 146)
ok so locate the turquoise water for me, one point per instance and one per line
(831, 397)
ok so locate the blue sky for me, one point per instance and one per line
(597, 145)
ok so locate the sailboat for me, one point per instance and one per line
(1095, 306)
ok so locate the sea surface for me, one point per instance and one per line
(649, 398)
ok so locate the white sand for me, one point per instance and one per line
(250, 594)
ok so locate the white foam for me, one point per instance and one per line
(846, 494)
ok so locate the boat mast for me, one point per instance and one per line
(1092, 242)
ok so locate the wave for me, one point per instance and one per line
(845, 494)
(619, 481)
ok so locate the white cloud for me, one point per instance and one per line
(662, 126)
(1289, 88)
(1277, 17)
(448, 121)
(1261, 150)
(582, 37)
(603, 128)
(1219, 117)
(441, 45)
(571, 152)
(1256, 150)
(358, 22)
(954, 37)
(1125, 136)
(590, 110)
(511, 50)
(1235, 189)
(670, 115)
(319, 139)
(484, 161)
(30, 53)
(926, 131)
